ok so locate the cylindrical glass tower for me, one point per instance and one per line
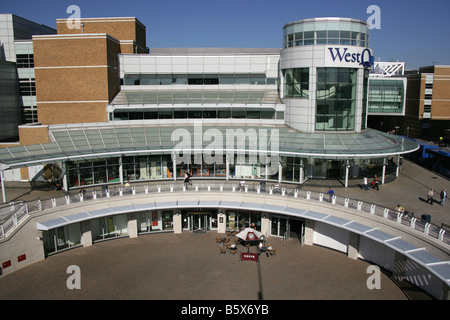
(324, 70)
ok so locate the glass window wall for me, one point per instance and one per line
(62, 238)
(238, 220)
(321, 33)
(222, 113)
(140, 79)
(386, 95)
(296, 83)
(335, 99)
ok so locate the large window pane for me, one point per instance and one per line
(335, 99)
(296, 83)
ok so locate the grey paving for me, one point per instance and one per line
(189, 266)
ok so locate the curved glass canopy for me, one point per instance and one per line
(106, 140)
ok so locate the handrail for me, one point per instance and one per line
(26, 208)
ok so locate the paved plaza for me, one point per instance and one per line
(188, 266)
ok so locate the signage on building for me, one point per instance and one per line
(348, 56)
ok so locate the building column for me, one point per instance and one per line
(280, 172)
(301, 173)
(353, 246)
(3, 185)
(265, 223)
(227, 169)
(86, 233)
(174, 169)
(347, 166)
(397, 169)
(309, 232)
(120, 170)
(222, 223)
(177, 222)
(384, 171)
(132, 225)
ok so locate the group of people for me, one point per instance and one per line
(442, 195)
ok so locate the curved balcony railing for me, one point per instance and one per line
(12, 214)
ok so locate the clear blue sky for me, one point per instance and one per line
(413, 31)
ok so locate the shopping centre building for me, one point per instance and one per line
(109, 112)
(112, 112)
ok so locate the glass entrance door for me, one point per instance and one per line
(287, 228)
(200, 222)
(279, 226)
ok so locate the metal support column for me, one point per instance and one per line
(174, 169)
(120, 170)
(227, 169)
(384, 170)
(280, 172)
(347, 166)
(3, 186)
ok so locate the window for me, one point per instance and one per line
(385, 95)
(296, 83)
(335, 99)
(27, 88)
(320, 33)
(25, 61)
(196, 79)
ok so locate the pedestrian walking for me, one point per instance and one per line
(186, 178)
(443, 195)
(330, 193)
(375, 183)
(430, 196)
(365, 184)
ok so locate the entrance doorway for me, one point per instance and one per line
(297, 229)
(288, 228)
(199, 222)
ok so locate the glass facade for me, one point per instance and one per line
(193, 113)
(323, 32)
(335, 99)
(296, 83)
(386, 95)
(238, 220)
(140, 79)
(146, 168)
(155, 221)
(107, 171)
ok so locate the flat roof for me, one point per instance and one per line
(212, 51)
(134, 138)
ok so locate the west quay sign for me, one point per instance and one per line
(351, 57)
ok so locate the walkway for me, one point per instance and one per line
(409, 189)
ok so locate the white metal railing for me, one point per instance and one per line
(10, 217)
(12, 214)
